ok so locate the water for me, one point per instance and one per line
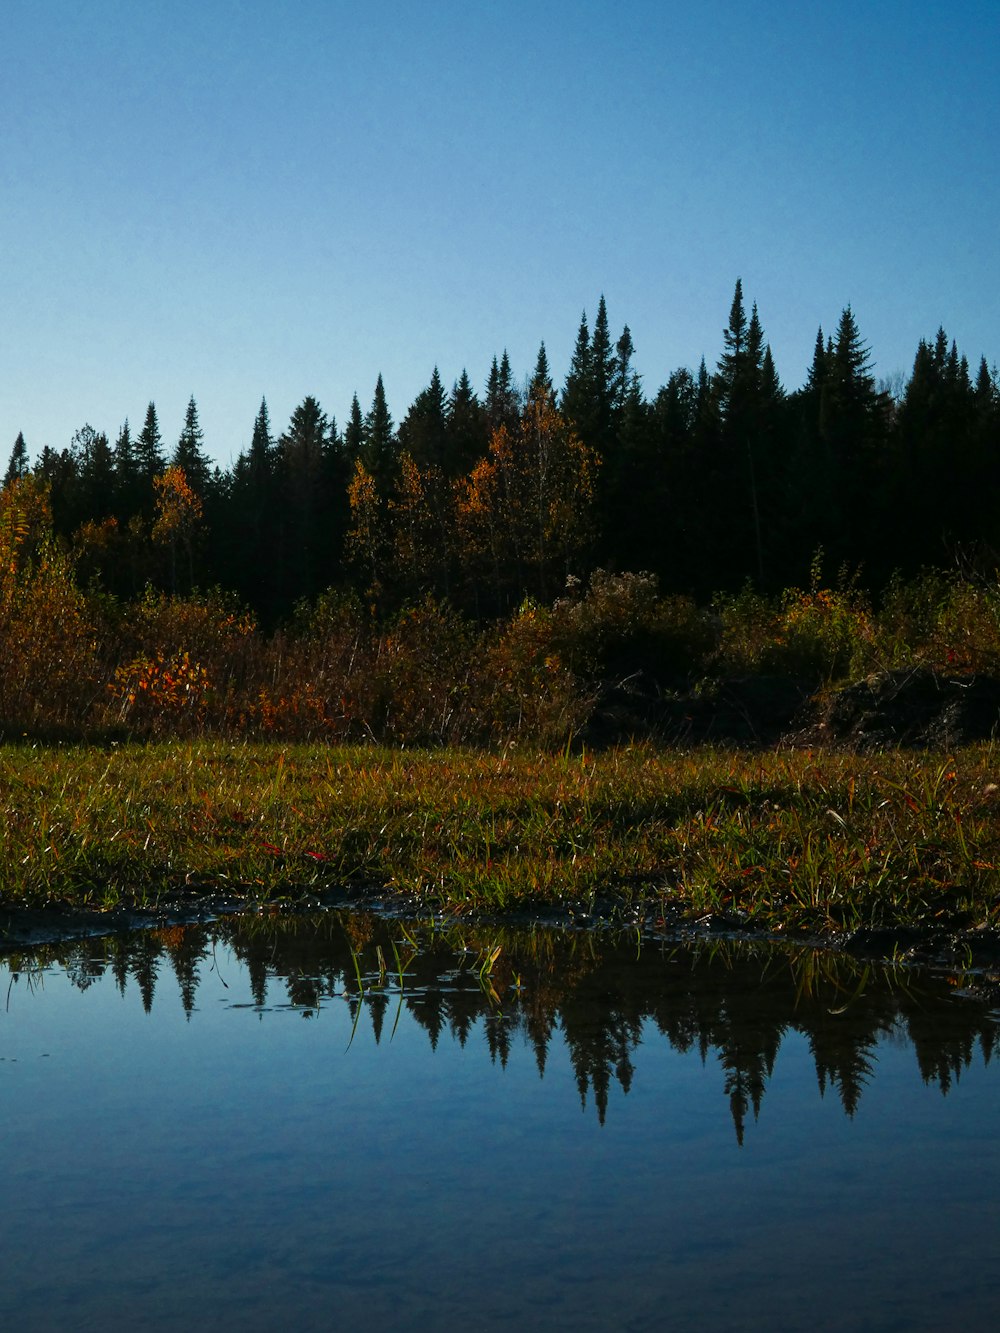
(210, 1127)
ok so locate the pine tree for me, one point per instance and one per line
(854, 429)
(541, 380)
(740, 469)
(379, 445)
(189, 454)
(95, 469)
(602, 386)
(18, 465)
(502, 406)
(468, 435)
(129, 486)
(577, 391)
(354, 431)
(626, 461)
(149, 454)
(423, 431)
(624, 381)
(816, 376)
(734, 337)
(303, 482)
(261, 458)
(249, 544)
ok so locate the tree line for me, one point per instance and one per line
(718, 478)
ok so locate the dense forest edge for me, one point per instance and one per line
(590, 563)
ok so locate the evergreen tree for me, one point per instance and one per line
(189, 454)
(603, 365)
(576, 394)
(354, 431)
(627, 461)
(853, 427)
(261, 458)
(18, 465)
(816, 377)
(57, 468)
(734, 337)
(938, 472)
(379, 445)
(149, 454)
(130, 490)
(502, 406)
(740, 463)
(541, 379)
(423, 431)
(95, 469)
(248, 547)
(624, 380)
(468, 435)
(304, 476)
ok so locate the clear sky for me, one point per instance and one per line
(246, 198)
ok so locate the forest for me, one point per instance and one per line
(455, 575)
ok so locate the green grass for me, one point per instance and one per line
(788, 841)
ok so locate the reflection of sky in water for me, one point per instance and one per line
(248, 1170)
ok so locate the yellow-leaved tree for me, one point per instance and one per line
(48, 650)
(178, 518)
(422, 522)
(525, 512)
(367, 532)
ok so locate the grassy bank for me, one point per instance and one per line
(786, 841)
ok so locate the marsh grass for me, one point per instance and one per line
(784, 841)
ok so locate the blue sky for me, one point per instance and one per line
(238, 198)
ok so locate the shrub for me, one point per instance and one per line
(186, 664)
(48, 641)
(526, 688)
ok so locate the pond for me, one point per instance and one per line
(351, 1121)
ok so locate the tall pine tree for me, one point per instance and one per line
(189, 453)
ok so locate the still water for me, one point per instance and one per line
(351, 1122)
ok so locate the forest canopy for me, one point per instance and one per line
(718, 477)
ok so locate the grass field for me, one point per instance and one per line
(785, 841)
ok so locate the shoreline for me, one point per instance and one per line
(972, 951)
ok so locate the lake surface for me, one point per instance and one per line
(350, 1122)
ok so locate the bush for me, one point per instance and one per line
(185, 664)
(48, 640)
(822, 634)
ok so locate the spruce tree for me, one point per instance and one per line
(18, 465)
(149, 453)
(423, 431)
(248, 544)
(261, 458)
(739, 460)
(129, 485)
(503, 407)
(95, 467)
(354, 431)
(304, 476)
(190, 455)
(734, 337)
(602, 386)
(577, 393)
(378, 451)
(854, 428)
(468, 435)
(541, 379)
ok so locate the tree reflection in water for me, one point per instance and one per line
(737, 1000)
